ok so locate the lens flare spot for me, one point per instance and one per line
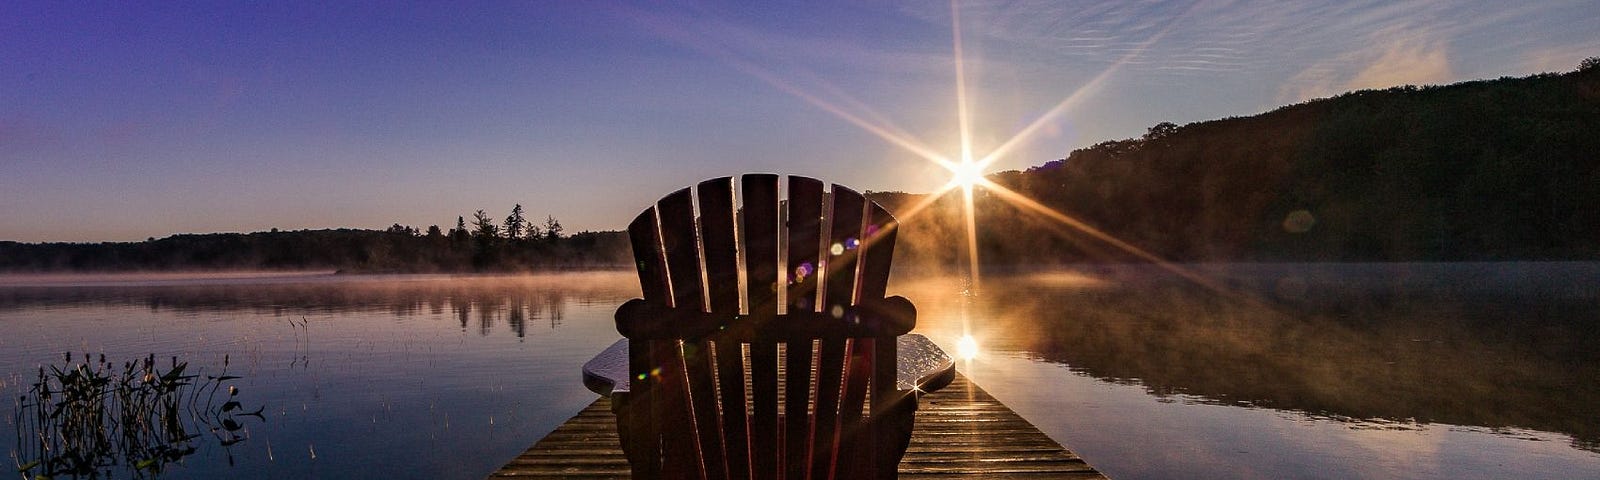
(1299, 221)
(836, 249)
(803, 271)
(967, 347)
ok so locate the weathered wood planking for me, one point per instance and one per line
(961, 432)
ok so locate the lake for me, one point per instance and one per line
(1483, 370)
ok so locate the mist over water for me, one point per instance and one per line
(360, 376)
(1470, 370)
(1337, 370)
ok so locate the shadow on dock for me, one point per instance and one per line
(961, 432)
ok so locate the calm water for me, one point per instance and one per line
(1266, 371)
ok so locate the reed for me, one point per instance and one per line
(93, 418)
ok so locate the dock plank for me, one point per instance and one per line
(961, 432)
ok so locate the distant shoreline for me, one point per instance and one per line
(185, 277)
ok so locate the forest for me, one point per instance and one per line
(1488, 170)
(481, 244)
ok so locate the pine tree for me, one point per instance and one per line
(515, 223)
(552, 228)
(486, 237)
(459, 234)
(484, 226)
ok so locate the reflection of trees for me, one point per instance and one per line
(1467, 356)
(481, 300)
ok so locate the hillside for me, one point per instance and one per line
(1484, 170)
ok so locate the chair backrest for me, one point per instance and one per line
(755, 351)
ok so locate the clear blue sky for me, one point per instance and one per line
(126, 120)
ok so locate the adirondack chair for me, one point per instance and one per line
(770, 373)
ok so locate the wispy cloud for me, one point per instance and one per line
(1398, 56)
(1560, 59)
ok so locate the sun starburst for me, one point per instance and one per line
(966, 170)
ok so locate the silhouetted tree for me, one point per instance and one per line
(460, 233)
(1161, 130)
(515, 223)
(433, 232)
(1588, 64)
(483, 226)
(552, 228)
(486, 237)
(532, 234)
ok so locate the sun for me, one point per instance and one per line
(966, 174)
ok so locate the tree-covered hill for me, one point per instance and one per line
(1483, 170)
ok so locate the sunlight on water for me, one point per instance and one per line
(966, 348)
(1366, 371)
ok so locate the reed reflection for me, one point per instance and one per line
(97, 419)
(1379, 346)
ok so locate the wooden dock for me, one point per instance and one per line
(961, 432)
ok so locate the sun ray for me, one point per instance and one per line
(962, 116)
(904, 142)
(694, 40)
(972, 236)
(1027, 132)
(1014, 198)
(966, 171)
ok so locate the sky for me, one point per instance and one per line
(126, 120)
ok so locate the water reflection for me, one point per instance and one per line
(401, 376)
(478, 303)
(1495, 346)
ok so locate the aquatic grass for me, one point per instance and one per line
(91, 418)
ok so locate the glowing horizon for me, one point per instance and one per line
(136, 122)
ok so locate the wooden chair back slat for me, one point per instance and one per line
(646, 239)
(719, 243)
(842, 247)
(714, 405)
(839, 252)
(680, 240)
(761, 242)
(637, 409)
(760, 193)
(685, 373)
(879, 233)
(858, 375)
(877, 252)
(805, 234)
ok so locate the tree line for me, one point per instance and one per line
(516, 244)
(1504, 169)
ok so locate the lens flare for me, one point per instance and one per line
(966, 169)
